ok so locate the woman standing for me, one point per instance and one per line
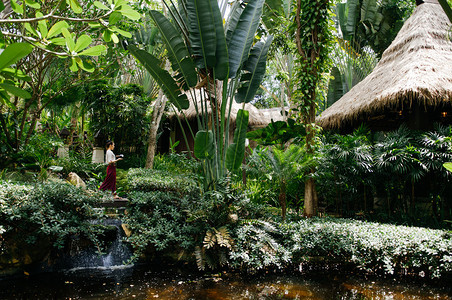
(110, 158)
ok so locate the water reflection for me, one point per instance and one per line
(134, 283)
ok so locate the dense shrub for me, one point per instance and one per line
(394, 177)
(177, 163)
(119, 113)
(158, 221)
(147, 180)
(168, 219)
(83, 167)
(258, 246)
(49, 211)
(373, 247)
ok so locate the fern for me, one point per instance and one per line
(210, 239)
(223, 238)
(200, 258)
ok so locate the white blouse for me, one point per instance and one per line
(110, 156)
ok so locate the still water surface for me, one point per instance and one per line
(137, 283)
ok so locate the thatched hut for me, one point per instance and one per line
(411, 84)
(257, 119)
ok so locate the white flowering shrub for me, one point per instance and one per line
(257, 247)
(374, 247)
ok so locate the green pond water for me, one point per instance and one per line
(178, 283)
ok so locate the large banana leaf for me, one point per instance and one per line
(204, 144)
(221, 53)
(236, 151)
(369, 12)
(177, 51)
(243, 35)
(161, 76)
(233, 20)
(255, 64)
(341, 14)
(202, 31)
(335, 87)
(352, 17)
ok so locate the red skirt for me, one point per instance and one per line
(110, 181)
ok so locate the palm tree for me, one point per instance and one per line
(347, 161)
(283, 167)
(397, 160)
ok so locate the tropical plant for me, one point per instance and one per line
(51, 28)
(344, 170)
(118, 113)
(45, 215)
(259, 246)
(9, 77)
(40, 152)
(214, 213)
(278, 133)
(364, 29)
(284, 168)
(220, 61)
(398, 160)
(313, 39)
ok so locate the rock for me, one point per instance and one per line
(76, 180)
(126, 229)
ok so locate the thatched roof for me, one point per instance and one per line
(415, 69)
(273, 114)
(256, 118)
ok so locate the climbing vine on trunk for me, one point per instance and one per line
(313, 37)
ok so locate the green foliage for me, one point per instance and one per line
(344, 168)
(190, 223)
(372, 247)
(448, 166)
(56, 26)
(158, 221)
(176, 163)
(119, 113)
(10, 77)
(147, 180)
(259, 247)
(50, 211)
(217, 56)
(398, 175)
(161, 76)
(279, 172)
(313, 33)
(236, 151)
(39, 153)
(277, 133)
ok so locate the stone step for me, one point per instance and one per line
(115, 203)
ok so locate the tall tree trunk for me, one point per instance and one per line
(310, 193)
(157, 114)
(312, 24)
(309, 196)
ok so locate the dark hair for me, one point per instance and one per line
(109, 143)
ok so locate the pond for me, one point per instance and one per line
(177, 283)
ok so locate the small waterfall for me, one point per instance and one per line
(116, 255)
